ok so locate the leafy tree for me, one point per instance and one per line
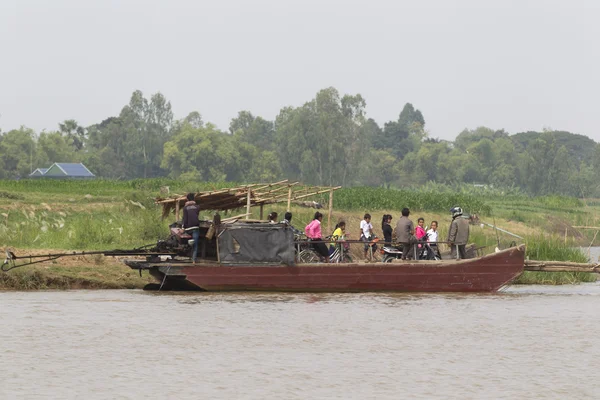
(203, 153)
(253, 130)
(54, 147)
(319, 142)
(17, 149)
(75, 133)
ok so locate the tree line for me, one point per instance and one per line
(327, 141)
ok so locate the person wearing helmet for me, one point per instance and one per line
(405, 234)
(458, 234)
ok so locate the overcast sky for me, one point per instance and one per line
(518, 65)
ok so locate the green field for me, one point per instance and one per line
(108, 214)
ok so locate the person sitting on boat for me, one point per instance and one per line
(386, 227)
(366, 235)
(458, 234)
(287, 220)
(191, 222)
(272, 217)
(405, 234)
(337, 237)
(313, 233)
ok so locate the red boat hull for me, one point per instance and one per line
(484, 274)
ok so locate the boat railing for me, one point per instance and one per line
(299, 242)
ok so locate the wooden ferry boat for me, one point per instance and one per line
(238, 254)
(484, 274)
(261, 257)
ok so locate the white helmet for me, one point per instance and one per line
(456, 211)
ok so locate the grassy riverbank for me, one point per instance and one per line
(40, 215)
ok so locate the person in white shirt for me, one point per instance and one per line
(366, 234)
(432, 236)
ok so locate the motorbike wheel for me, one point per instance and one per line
(387, 258)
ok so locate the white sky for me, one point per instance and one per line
(513, 64)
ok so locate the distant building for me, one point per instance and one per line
(63, 170)
(38, 172)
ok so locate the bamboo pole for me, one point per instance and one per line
(560, 266)
(206, 194)
(177, 211)
(501, 230)
(261, 210)
(234, 218)
(289, 198)
(248, 204)
(278, 197)
(270, 191)
(315, 193)
(590, 246)
(330, 211)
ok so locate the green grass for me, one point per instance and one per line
(367, 198)
(127, 225)
(552, 248)
(554, 278)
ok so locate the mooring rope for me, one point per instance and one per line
(165, 278)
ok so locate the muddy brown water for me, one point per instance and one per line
(534, 342)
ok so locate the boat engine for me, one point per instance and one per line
(178, 241)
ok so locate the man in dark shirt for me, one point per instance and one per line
(191, 223)
(405, 234)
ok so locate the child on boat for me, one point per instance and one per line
(366, 235)
(337, 237)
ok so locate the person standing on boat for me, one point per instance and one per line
(191, 223)
(366, 235)
(432, 237)
(420, 229)
(287, 220)
(313, 232)
(405, 234)
(386, 227)
(458, 235)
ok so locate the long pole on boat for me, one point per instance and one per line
(248, 204)
(330, 210)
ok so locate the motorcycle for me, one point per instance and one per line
(424, 252)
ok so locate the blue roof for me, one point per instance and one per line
(38, 172)
(74, 169)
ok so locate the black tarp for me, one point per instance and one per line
(261, 243)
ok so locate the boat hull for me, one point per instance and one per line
(484, 274)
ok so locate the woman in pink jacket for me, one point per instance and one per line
(313, 232)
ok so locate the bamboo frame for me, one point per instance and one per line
(246, 197)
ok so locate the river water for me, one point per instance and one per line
(534, 342)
